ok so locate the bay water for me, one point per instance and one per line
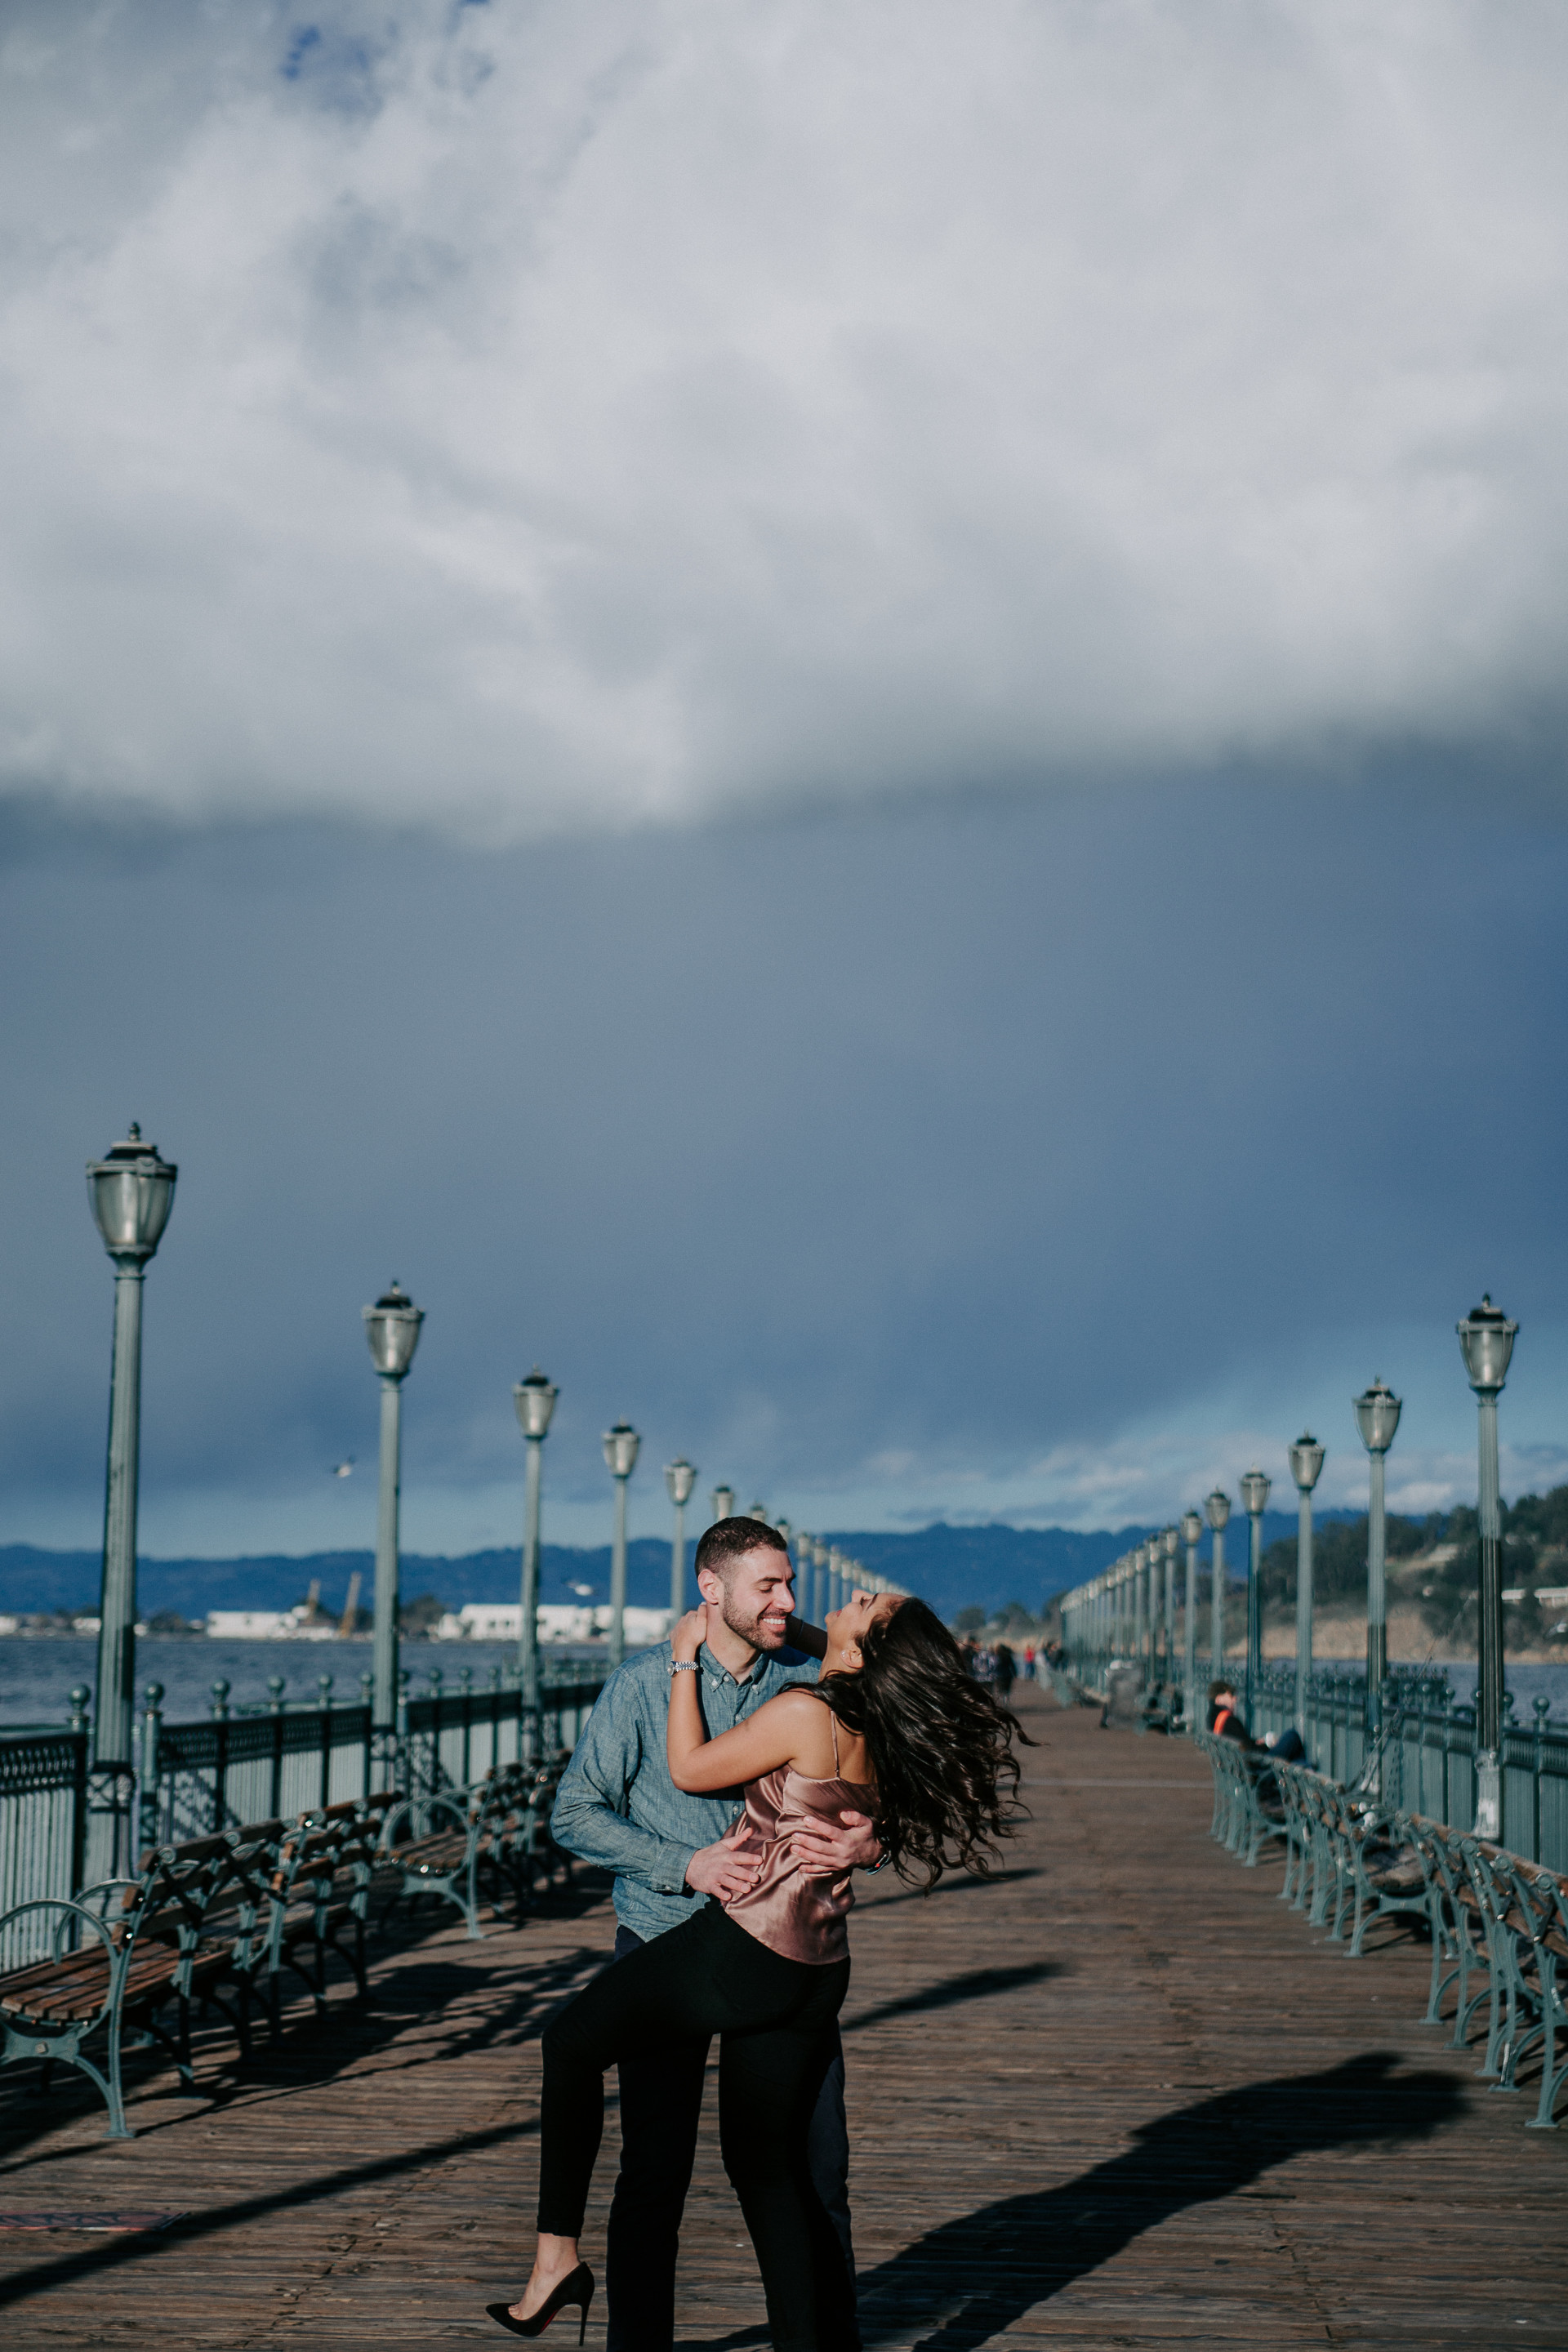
(38, 1672)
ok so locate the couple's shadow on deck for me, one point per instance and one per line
(971, 2279)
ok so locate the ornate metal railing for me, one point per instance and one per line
(43, 1820)
(197, 1778)
(1424, 1755)
(65, 1822)
(60, 1815)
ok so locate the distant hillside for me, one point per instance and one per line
(34, 1580)
(954, 1567)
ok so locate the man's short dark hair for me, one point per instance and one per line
(1218, 1690)
(726, 1541)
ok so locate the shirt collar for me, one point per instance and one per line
(717, 1672)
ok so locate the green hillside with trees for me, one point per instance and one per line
(1432, 1563)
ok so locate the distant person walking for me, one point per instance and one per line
(1004, 1673)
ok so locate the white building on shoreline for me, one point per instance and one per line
(268, 1625)
(501, 1621)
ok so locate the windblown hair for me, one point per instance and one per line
(941, 1747)
(727, 1542)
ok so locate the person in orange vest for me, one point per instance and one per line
(1225, 1717)
(1226, 1722)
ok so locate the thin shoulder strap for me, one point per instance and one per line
(832, 1719)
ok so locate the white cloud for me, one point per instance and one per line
(1148, 1474)
(531, 418)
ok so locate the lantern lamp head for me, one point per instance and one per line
(1216, 1508)
(1377, 1411)
(1306, 1460)
(130, 1190)
(391, 1327)
(621, 1445)
(535, 1400)
(1486, 1337)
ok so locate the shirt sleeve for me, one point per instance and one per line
(589, 1817)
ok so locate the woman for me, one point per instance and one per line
(895, 1728)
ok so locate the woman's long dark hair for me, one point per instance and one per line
(941, 1746)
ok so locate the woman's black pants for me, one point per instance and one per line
(710, 1977)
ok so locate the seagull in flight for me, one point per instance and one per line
(583, 1592)
(344, 1469)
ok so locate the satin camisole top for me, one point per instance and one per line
(799, 1918)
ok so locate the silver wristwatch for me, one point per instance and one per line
(683, 1666)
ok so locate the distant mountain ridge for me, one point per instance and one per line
(952, 1568)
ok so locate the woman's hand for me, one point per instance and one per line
(689, 1635)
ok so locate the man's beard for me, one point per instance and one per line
(752, 1629)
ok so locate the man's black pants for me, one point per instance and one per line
(661, 2101)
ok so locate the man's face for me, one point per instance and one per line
(759, 1599)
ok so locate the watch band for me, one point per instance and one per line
(683, 1666)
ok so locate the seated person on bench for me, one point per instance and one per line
(1226, 1723)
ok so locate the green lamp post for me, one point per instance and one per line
(534, 1399)
(1306, 1468)
(1486, 1337)
(131, 1191)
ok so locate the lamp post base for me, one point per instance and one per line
(1488, 1794)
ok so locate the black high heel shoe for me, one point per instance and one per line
(576, 2288)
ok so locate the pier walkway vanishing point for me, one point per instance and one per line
(1122, 2095)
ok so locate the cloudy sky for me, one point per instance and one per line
(848, 718)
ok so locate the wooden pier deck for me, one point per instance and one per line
(1120, 2097)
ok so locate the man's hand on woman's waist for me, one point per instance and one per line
(719, 1870)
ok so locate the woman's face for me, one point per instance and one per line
(846, 1627)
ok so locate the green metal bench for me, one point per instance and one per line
(1533, 1914)
(115, 1960)
(1242, 1821)
(515, 1840)
(319, 1901)
(442, 1846)
(1499, 1925)
(1459, 1950)
(1385, 1875)
(1524, 1913)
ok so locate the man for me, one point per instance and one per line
(619, 1809)
(1227, 1722)
(1225, 1716)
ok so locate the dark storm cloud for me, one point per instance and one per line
(849, 1152)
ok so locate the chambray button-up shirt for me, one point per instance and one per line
(618, 1806)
